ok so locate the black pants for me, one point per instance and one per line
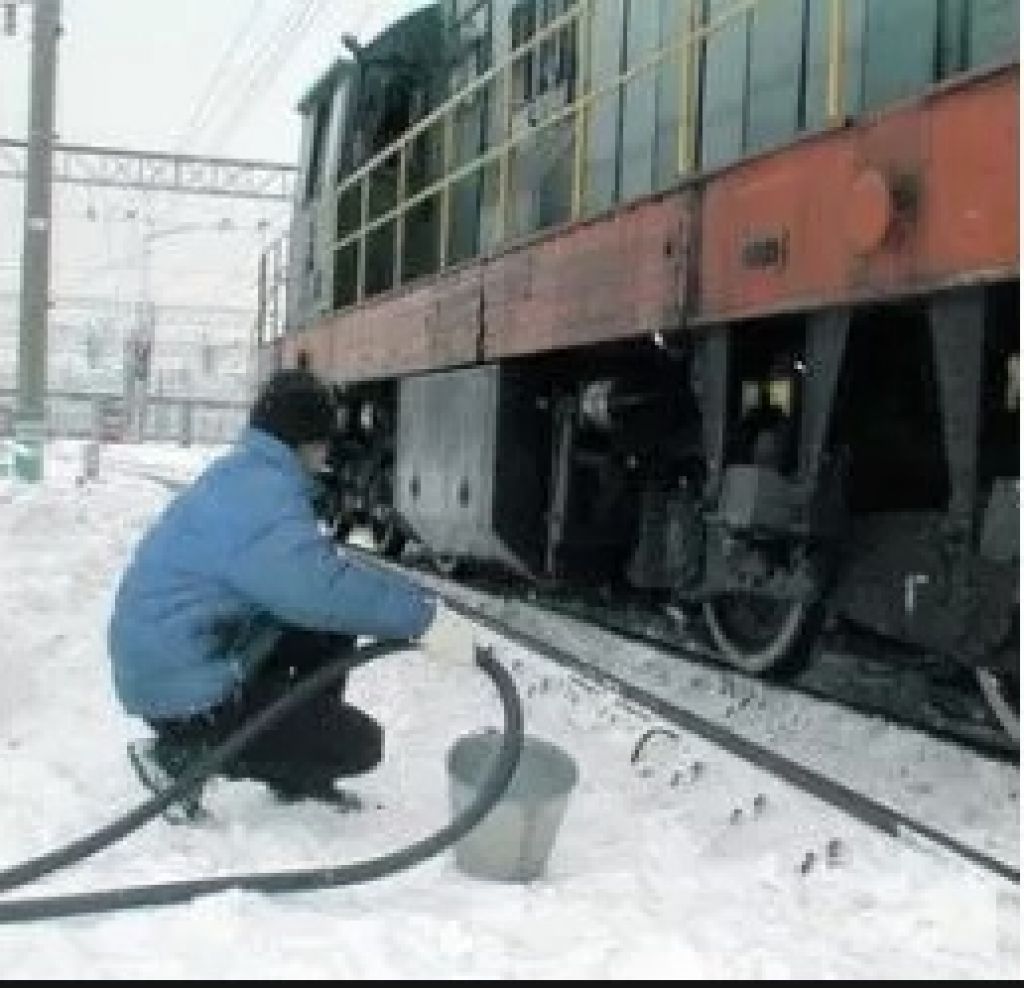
(313, 744)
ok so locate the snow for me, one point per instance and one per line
(684, 864)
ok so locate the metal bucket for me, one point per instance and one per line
(513, 841)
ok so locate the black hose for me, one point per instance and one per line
(168, 893)
(29, 871)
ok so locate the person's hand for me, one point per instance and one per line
(450, 639)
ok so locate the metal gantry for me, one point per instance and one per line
(156, 171)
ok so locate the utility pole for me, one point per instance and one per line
(138, 356)
(29, 423)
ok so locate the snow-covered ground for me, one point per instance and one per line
(906, 771)
(688, 863)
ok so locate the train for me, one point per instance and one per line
(712, 304)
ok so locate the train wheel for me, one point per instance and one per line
(1002, 694)
(448, 565)
(754, 633)
(388, 538)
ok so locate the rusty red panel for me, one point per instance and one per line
(435, 324)
(618, 276)
(314, 346)
(976, 176)
(917, 197)
(289, 349)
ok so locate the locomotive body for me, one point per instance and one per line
(711, 302)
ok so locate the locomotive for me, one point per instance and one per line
(713, 302)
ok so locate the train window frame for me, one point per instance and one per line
(549, 66)
(556, 56)
(522, 26)
(321, 119)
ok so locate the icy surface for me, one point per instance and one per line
(685, 863)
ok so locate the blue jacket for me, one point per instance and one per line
(233, 559)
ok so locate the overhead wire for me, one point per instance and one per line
(243, 271)
(243, 86)
(315, 13)
(266, 73)
(203, 104)
(236, 78)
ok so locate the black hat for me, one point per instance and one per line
(296, 407)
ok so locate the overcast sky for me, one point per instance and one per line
(211, 77)
(217, 77)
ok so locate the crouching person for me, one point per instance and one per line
(236, 593)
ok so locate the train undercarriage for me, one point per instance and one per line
(705, 306)
(774, 477)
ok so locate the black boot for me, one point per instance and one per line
(159, 763)
(290, 783)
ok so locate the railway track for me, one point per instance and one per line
(559, 627)
(859, 673)
(739, 740)
(856, 804)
